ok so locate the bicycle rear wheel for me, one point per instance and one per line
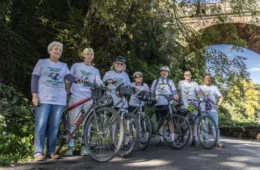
(182, 132)
(145, 132)
(131, 134)
(63, 132)
(103, 134)
(207, 132)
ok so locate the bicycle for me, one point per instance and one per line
(143, 121)
(207, 130)
(173, 123)
(100, 118)
(130, 121)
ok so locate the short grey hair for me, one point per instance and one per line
(54, 43)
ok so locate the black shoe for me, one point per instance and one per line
(113, 147)
(194, 143)
(127, 146)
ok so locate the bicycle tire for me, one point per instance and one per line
(182, 132)
(207, 131)
(62, 132)
(131, 133)
(145, 131)
(98, 139)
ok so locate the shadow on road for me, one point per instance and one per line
(238, 154)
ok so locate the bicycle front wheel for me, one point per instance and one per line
(177, 132)
(103, 134)
(207, 132)
(131, 137)
(145, 131)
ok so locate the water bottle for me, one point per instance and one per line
(77, 121)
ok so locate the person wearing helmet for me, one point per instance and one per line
(165, 86)
(115, 77)
(188, 90)
(212, 92)
(79, 91)
(138, 84)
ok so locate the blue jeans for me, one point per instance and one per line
(47, 122)
(214, 115)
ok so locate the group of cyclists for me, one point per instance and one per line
(52, 82)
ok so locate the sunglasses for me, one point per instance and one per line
(137, 77)
(119, 64)
(187, 74)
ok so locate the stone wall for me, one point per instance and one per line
(241, 132)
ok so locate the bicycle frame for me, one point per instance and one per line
(170, 113)
(70, 136)
(121, 109)
(199, 111)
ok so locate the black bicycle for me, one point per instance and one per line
(144, 121)
(207, 130)
(131, 126)
(173, 123)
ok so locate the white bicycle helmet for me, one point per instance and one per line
(164, 68)
(137, 73)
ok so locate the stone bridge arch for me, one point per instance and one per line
(245, 24)
(248, 33)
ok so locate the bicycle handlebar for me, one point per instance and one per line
(201, 101)
(168, 97)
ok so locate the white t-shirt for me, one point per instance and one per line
(163, 88)
(211, 91)
(51, 82)
(133, 100)
(89, 74)
(120, 78)
(188, 90)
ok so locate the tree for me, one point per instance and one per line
(243, 101)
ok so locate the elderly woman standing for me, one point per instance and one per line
(49, 99)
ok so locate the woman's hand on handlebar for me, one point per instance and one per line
(110, 81)
(176, 97)
(79, 80)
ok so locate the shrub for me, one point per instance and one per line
(16, 126)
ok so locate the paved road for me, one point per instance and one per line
(238, 154)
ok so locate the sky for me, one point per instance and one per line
(252, 62)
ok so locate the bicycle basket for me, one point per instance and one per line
(124, 91)
(105, 101)
(192, 107)
(144, 96)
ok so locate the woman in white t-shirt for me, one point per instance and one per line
(79, 91)
(49, 98)
(117, 74)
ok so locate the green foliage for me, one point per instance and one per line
(16, 126)
(16, 61)
(241, 105)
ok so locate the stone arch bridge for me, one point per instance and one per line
(247, 25)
